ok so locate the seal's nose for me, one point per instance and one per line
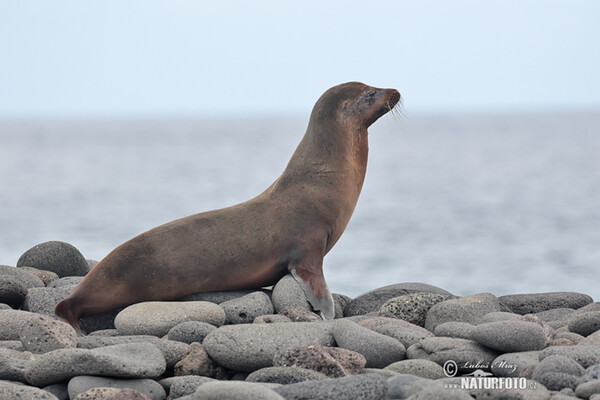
(394, 96)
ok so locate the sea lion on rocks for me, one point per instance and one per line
(287, 228)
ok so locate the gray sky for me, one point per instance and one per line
(180, 57)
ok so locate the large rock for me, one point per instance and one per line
(158, 317)
(422, 368)
(58, 257)
(512, 364)
(586, 356)
(465, 309)
(288, 293)
(12, 291)
(111, 394)
(245, 309)
(334, 362)
(149, 387)
(537, 302)
(13, 364)
(585, 323)
(131, 360)
(234, 391)
(42, 334)
(220, 297)
(12, 322)
(285, 375)
(190, 331)
(9, 390)
(25, 277)
(558, 372)
(46, 276)
(180, 386)
(411, 307)
(249, 347)
(195, 362)
(510, 336)
(357, 387)
(373, 300)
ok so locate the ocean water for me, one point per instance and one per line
(470, 203)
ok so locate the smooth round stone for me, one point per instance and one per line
(467, 354)
(285, 375)
(591, 373)
(66, 281)
(557, 372)
(537, 302)
(235, 391)
(179, 386)
(462, 330)
(46, 276)
(572, 337)
(402, 386)
(158, 317)
(587, 389)
(298, 314)
(510, 336)
(27, 278)
(512, 364)
(9, 390)
(245, 309)
(195, 362)
(190, 331)
(591, 340)
(411, 307)
(219, 297)
(357, 387)
(271, 319)
(586, 323)
(248, 347)
(334, 362)
(172, 351)
(373, 300)
(42, 334)
(12, 322)
(58, 257)
(148, 387)
(586, 356)
(379, 350)
(12, 345)
(422, 368)
(465, 309)
(288, 293)
(340, 302)
(499, 316)
(406, 336)
(111, 394)
(555, 314)
(12, 291)
(131, 360)
(13, 364)
(59, 390)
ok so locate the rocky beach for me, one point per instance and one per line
(402, 341)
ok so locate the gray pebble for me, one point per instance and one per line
(405, 385)
(13, 364)
(510, 336)
(271, 319)
(288, 293)
(59, 390)
(538, 302)
(462, 330)
(585, 323)
(573, 337)
(340, 301)
(131, 360)
(149, 387)
(42, 334)
(220, 297)
(586, 356)
(245, 309)
(285, 375)
(111, 393)
(357, 387)
(421, 368)
(66, 281)
(248, 347)
(12, 322)
(374, 299)
(334, 362)
(465, 309)
(58, 257)
(27, 278)
(587, 389)
(12, 291)
(158, 317)
(179, 386)
(498, 316)
(558, 372)
(379, 350)
(406, 336)
(46, 276)
(190, 331)
(555, 314)
(234, 391)
(411, 307)
(512, 364)
(9, 390)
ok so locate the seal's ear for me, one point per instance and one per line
(309, 276)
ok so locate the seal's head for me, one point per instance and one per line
(354, 104)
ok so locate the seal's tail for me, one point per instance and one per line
(64, 311)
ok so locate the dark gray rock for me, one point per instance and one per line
(591, 373)
(66, 281)
(588, 389)
(46, 276)
(334, 362)
(340, 301)
(403, 386)
(555, 314)
(9, 390)
(12, 291)
(285, 375)
(585, 323)
(245, 309)
(467, 354)
(465, 309)
(510, 336)
(59, 390)
(462, 330)
(42, 334)
(190, 331)
(558, 372)
(234, 391)
(373, 300)
(512, 364)
(538, 302)
(411, 307)
(13, 364)
(357, 387)
(422, 368)
(586, 356)
(570, 336)
(180, 386)
(27, 278)
(249, 347)
(158, 317)
(172, 351)
(379, 350)
(288, 293)
(149, 387)
(220, 297)
(131, 360)
(58, 257)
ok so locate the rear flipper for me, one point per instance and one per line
(64, 311)
(309, 276)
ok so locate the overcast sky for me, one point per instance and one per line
(195, 58)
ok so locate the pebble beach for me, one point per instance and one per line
(403, 341)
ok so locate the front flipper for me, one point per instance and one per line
(309, 275)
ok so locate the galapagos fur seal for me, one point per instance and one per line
(288, 228)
